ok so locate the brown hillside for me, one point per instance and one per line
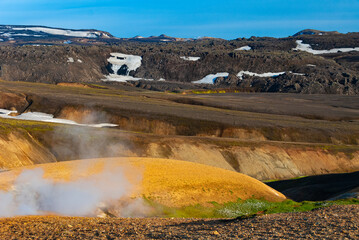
(19, 149)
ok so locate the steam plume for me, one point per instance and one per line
(32, 194)
(109, 190)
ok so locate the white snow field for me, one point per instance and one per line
(307, 48)
(44, 117)
(54, 31)
(190, 58)
(119, 59)
(209, 79)
(244, 48)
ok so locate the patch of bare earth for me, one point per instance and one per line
(336, 222)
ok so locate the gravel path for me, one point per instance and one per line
(337, 222)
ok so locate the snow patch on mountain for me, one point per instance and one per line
(209, 79)
(54, 31)
(307, 48)
(190, 58)
(122, 65)
(244, 48)
(118, 60)
(268, 74)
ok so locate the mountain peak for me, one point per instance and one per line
(315, 32)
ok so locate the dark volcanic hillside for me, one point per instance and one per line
(52, 64)
(255, 64)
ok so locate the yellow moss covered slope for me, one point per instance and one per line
(169, 182)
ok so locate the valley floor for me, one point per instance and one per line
(336, 222)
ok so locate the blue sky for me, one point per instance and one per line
(186, 18)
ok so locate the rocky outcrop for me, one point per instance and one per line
(50, 64)
(14, 101)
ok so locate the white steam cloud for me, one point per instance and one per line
(73, 143)
(103, 193)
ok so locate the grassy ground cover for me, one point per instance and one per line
(243, 208)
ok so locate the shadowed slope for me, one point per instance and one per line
(318, 188)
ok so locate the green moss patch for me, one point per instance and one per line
(242, 208)
(33, 127)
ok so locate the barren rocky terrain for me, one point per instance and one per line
(337, 222)
(86, 60)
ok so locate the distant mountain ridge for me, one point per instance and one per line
(43, 35)
(315, 32)
(33, 34)
(160, 38)
(11, 31)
